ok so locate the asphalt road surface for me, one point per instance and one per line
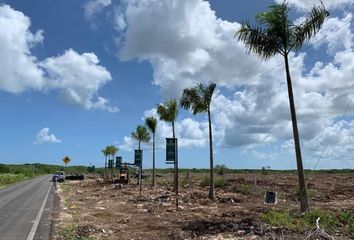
(26, 210)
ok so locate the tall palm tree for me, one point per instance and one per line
(168, 112)
(151, 123)
(105, 152)
(112, 151)
(141, 134)
(198, 100)
(275, 34)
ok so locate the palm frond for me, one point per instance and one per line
(168, 111)
(151, 123)
(141, 134)
(312, 24)
(198, 98)
(258, 40)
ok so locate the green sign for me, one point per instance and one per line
(138, 158)
(110, 163)
(171, 150)
(118, 162)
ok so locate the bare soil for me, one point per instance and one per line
(107, 211)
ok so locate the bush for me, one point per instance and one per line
(244, 188)
(221, 169)
(8, 178)
(219, 182)
(301, 222)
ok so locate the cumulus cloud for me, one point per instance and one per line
(185, 42)
(77, 76)
(19, 68)
(93, 7)
(43, 136)
(190, 133)
(305, 5)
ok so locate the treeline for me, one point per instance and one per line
(30, 170)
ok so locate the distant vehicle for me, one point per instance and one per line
(58, 176)
(75, 176)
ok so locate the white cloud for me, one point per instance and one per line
(93, 7)
(18, 67)
(185, 42)
(336, 34)
(77, 76)
(305, 5)
(43, 136)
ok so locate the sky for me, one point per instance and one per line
(77, 76)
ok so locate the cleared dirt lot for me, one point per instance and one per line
(95, 210)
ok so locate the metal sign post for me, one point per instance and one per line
(172, 158)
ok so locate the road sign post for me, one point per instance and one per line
(172, 158)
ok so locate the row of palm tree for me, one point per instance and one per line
(196, 99)
(272, 34)
(109, 152)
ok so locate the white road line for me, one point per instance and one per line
(36, 222)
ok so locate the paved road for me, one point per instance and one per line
(21, 206)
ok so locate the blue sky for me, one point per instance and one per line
(80, 75)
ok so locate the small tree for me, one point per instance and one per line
(168, 112)
(141, 134)
(151, 123)
(105, 152)
(198, 100)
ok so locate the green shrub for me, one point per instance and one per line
(218, 182)
(221, 169)
(301, 222)
(205, 182)
(327, 221)
(8, 178)
(279, 219)
(244, 188)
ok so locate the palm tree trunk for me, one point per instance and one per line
(153, 161)
(212, 185)
(105, 167)
(300, 169)
(176, 166)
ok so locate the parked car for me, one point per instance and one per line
(75, 176)
(58, 176)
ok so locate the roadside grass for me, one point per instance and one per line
(294, 221)
(9, 178)
(65, 187)
(70, 233)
